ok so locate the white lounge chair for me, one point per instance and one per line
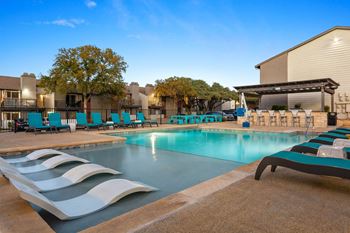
(71, 177)
(35, 155)
(46, 165)
(94, 200)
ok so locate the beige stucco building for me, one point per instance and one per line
(19, 95)
(326, 55)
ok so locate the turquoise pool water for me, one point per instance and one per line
(238, 146)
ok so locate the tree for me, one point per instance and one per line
(88, 70)
(202, 90)
(220, 94)
(179, 88)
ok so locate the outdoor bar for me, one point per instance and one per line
(293, 117)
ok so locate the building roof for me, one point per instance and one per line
(305, 42)
(10, 83)
(313, 85)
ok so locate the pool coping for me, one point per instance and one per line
(27, 149)
(155, 211)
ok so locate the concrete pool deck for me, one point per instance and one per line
(158, 215)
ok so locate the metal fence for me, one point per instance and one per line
(68, 115)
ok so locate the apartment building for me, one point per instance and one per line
(325, 55)
(19, 95)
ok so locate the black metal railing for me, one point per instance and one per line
(18, 103)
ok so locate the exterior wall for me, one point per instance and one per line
(28, 87)
(143, 100)
(324, 57)
(228, 105)
(274, 71)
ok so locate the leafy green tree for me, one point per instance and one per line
(179, 88)
(202, 90)
(88, 70)
(218, 95)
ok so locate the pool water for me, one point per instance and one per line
(239, 146)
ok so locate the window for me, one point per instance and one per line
(15, 94)
(70, 100)
(12, 94)
(11, 115)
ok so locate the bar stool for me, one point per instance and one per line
(250, 117)
(283, 118)
(272, 118)
(309, 119)
(295, 118)
(261, 117)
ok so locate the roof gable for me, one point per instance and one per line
(303, 43)
(10, 83)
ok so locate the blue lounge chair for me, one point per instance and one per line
(309, 164)
(97, 119)
(142, 118)
(35, 123)
(312, 148)
(333, 135)
(323, 140)
(83, 123)
(55, 121)
(127, 120)
(343, 128)
(116, 120)
(340, 131)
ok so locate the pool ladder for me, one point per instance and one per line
(307, 127)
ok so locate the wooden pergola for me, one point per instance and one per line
(326, 85)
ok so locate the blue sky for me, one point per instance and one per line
(214, 40)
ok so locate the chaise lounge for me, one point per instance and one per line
(83, 123)
(116, 120)
(140, 116)
(35, 155)
(305, 163)
(56, 122)
(46, 165)
(97, 120)
(35, 123)
(98, 198)
(69, 178)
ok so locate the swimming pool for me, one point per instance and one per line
(239, 146)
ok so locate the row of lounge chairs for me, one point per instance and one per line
(55, 122)
(97, 198)
(194, 119)
(306, 157)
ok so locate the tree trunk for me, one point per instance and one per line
(86, 99)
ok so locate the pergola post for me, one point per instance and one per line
(322, 99)
(259, 101)
(332, 102)
(240, 99)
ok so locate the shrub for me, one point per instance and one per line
(297, 106)
(279, 107)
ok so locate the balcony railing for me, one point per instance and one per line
(18, 103)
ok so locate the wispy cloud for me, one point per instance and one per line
(72, 23)
(90, 3)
